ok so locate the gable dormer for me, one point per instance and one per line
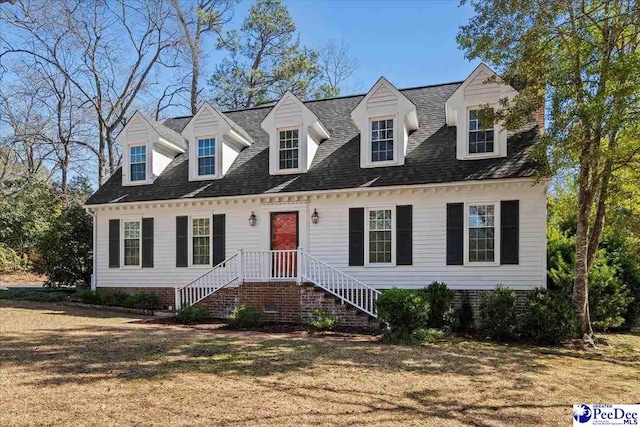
(384, 117)
(214, 143)
(295, 133)
(148, 147)
(481, 90)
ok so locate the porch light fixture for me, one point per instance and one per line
(315, 218)
(252, 219)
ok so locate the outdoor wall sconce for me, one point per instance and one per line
(315, 218)
(252, 219)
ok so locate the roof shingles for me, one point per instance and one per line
(431, 157)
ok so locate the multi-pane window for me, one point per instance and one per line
(380, 235)
(201, 241)
(481, 233)
(381, 140)
(288, 150)
(138, 161)
(480, 134)
(207, 156)
(131, 242)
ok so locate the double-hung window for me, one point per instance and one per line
(132, 236)
(380, 235)
(201, 241)
(480, 134)
(138, 161)
(382, 140)
(482, 235)
(288, 152)
(206, 156)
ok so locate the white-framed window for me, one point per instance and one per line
(201, 241)
(206, 156)
(481, 136)
(380, 235)
(482, 236)
(382, 140)
(288, 149)
(138, 163)
(131, 242)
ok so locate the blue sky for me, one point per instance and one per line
(411, 43)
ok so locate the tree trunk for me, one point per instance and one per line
(581, 284)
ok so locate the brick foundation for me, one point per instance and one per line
(476, 296)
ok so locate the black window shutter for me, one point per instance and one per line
(356, 236)
(455, 233)
(114, 243)
(147, 242)
(509, 231)
(218, 238)
(404, 235)
(182, 241)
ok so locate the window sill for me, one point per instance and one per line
(479, 156)
(482, 264)
(131, 267)
(382, 164)
(204, 177)
(132, 183)
(379, 265)
(287, 171)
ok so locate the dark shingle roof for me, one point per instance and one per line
(431, 157)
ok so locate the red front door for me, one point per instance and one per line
(284, 236)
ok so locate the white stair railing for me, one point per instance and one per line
(348, 289)
(223, 274)
(270, 265)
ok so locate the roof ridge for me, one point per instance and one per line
(270, 104)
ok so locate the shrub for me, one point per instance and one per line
(464, 319)
(66, 248)
(247, 316)
(145, 300)
(424, 335)
(549, 318)
(608, 296)
(403, 311)
(112, 298)
(192, 314)
(439, 298)
(497, 313)
(40, 296)
(87, 297)
(322, 320)
(10, 261)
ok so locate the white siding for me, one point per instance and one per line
(138, 131)
(382, 97)
(288, 113)
(161, 159)
(205, 124)
(479, 87)
(328, 240)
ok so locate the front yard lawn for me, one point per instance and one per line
(71, 366)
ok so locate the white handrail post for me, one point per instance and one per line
(299, 265)
(177, 298)
(240, 268)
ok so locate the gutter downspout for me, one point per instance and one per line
(94, 272)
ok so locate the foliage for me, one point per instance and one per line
(497, 313)
(265, 60)
(608, 296)
(11, 262)
(192, 314)
(112, 298)
(87, 296)
(247, 316)
(464, 320)
(403, 311)
(439, 297)
(549, 318)
(144, 300)
(580, 61)
(66, 249)
(425, 335)
(40, 296)
(322, 320)
(26, 214)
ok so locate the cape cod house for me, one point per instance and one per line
(324, 203)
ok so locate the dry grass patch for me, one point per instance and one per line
(70, 366)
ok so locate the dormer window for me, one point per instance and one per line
(206, 156)
(382, 140)
(295, 133)
(288, 156)
(138, 160)
(480, 135)
(385, 117)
